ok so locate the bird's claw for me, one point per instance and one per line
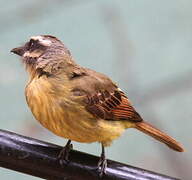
(102, 165)
(63, 156)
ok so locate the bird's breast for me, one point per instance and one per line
(47, 105)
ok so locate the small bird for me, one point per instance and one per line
(78, 103)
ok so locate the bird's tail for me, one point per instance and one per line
(160, 136)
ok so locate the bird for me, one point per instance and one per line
(78, 103)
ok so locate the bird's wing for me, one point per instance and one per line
(102, 97)
(112, 106)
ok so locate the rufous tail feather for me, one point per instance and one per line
(160, 136)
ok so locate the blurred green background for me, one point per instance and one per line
(145, 46)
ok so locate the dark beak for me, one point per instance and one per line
(19, 51)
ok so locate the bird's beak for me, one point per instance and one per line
(19, 51)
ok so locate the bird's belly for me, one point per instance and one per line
(78, 125)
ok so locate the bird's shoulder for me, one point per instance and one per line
(89, 82)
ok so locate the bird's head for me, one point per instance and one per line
(41, 51)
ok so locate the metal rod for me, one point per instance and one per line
(38, 158)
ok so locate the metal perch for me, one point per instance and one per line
(38, 158)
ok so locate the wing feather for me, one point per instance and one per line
(112, 106)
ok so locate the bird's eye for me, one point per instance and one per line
(32, 44)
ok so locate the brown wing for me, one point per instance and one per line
(112, 106)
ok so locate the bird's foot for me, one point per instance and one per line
(63, 156)
(102, 165)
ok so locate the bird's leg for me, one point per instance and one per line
(102, 164)
(63, 156)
